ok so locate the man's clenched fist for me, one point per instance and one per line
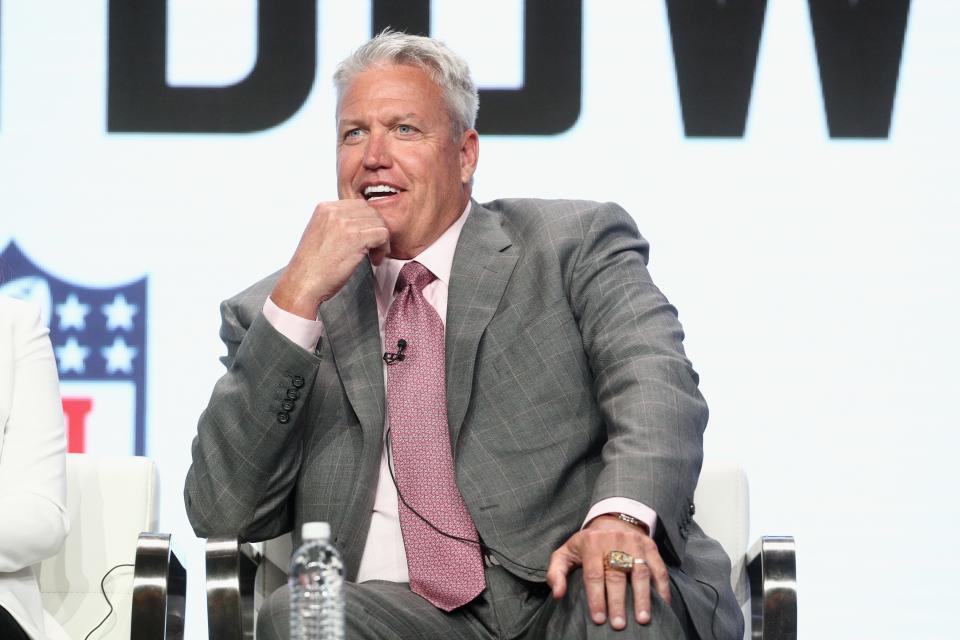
(334, 242)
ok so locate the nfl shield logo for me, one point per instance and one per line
(99, 339)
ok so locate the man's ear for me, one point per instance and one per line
(469, 154)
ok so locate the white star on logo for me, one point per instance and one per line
(72, 355)
(119, 313)
(119, 356)
(72, 313)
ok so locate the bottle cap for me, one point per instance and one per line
(315, 531)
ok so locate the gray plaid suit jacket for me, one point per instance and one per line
(567, 383)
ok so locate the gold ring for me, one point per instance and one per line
(618, 561)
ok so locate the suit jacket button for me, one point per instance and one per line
(693, 508)
(288, 405)
(283, 417)
(298, 381)
(293, 394)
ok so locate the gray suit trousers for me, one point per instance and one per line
(509, 608)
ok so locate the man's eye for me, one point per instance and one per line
(404, 129)
(352, 133)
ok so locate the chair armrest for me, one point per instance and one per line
(231, 574)
(159, 590)
(772, 570)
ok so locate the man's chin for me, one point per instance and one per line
(402, 246)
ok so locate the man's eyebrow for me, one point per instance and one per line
(348, 122)
(397, 118)
(394, 119)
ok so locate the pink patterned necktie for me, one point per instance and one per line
(447, 572)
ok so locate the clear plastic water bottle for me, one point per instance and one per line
(316, 587)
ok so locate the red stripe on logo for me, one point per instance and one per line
(76, 410)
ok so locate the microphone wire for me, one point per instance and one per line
(103, 590)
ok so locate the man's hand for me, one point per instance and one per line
(336, 239)
(606, 589)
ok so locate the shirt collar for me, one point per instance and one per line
(438, 258)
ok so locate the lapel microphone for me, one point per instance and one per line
(393, 358)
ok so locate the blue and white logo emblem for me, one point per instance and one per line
(99, 339)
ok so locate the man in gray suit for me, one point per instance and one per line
(574, 420)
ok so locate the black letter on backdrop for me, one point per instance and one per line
(139, 98)
(549, 101)
(859, 45)
(409, 16)
(715, 46)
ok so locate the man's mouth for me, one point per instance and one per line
(379, 192)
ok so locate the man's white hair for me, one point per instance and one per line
(448, 70)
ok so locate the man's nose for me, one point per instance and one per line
(376, 153)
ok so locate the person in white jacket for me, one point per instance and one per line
(33, 516)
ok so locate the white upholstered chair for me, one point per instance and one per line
(113, 506)
(763, 575)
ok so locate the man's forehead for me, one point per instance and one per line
(393, 91)
(390, 80)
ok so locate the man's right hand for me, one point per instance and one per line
(336, 239)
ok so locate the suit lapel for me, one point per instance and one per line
(482, 266)
(350, 324)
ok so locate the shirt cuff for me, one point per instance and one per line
(638, 510)
(300, 331)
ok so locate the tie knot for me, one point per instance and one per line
(414, 273)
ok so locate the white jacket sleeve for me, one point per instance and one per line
(33, 518)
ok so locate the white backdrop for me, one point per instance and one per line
(816, 278)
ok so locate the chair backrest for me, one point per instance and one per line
(722, 502)
(110, 500)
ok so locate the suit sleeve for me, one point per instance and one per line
(645, 386)
(32, 464)
(248, 448)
